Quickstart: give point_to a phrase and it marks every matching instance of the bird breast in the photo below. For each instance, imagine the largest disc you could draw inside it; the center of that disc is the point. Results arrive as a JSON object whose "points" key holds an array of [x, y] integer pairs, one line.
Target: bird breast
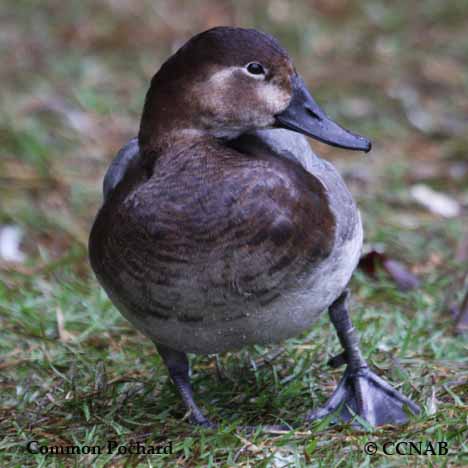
{"points": [[219, 250]]}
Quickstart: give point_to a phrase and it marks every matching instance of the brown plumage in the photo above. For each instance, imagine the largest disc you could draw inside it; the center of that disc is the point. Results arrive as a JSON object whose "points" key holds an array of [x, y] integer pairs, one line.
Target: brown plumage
{"points": [[217, 231], [242, 227]]}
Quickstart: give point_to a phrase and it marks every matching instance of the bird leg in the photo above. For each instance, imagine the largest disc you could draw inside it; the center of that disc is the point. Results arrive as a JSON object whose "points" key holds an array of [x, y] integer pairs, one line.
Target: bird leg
{"points": [[360, 391], [178, 366]]}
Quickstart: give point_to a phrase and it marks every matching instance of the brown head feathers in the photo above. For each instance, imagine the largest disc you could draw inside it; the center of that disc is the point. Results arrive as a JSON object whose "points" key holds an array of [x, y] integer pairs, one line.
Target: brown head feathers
{"points": [[207, 88]]}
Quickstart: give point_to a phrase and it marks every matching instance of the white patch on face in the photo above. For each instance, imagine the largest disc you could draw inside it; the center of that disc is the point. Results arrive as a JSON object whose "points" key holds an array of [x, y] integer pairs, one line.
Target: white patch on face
{"points": [[228, 115], [270, 95], [219, 78], [274, 98]]}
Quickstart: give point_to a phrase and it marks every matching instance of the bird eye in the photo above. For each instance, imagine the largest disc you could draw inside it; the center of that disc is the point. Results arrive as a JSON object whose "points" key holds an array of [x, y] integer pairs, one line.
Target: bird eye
{"points": [[255, 68]]}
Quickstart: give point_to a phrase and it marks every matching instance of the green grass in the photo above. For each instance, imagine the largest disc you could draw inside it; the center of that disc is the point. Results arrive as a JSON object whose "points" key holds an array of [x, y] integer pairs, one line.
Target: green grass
{"points": [[100, 380], [74, 372]]}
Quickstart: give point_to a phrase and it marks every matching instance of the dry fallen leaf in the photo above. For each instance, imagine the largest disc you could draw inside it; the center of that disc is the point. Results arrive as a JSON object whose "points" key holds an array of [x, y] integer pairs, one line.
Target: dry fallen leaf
{"points": [[10, 240], [437, 202], [404, 279], [64, 335]]}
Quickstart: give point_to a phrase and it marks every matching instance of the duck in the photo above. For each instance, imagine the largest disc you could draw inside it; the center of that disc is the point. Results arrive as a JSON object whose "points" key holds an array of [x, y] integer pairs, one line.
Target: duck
{"points": [[221, 228]]}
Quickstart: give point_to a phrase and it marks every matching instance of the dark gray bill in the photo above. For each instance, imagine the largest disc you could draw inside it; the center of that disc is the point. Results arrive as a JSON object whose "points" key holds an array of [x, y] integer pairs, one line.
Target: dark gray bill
{"points": [[304, 115]]}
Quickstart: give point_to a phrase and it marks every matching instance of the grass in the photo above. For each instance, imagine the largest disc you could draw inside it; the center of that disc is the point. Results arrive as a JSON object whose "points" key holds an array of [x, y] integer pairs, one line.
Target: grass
{"points": [[74, 372]]}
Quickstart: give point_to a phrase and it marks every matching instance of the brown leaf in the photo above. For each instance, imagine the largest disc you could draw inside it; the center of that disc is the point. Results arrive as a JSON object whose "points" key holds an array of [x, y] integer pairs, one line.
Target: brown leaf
{"points": [[401, 275], [403, 278]]}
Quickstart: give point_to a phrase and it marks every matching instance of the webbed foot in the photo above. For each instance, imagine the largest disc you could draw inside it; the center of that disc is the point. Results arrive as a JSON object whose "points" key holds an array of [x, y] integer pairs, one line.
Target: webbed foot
{"points": [[360, 391], [365, 394]]}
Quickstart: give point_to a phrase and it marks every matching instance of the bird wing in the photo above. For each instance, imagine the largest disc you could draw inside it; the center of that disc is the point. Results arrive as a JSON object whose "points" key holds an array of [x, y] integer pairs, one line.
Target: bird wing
{"points": [[126, 157]]}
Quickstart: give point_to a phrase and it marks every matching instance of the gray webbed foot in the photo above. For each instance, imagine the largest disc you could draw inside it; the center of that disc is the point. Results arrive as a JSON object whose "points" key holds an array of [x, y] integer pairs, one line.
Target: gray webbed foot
{"points": [[364, 393], [360, 391]]}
